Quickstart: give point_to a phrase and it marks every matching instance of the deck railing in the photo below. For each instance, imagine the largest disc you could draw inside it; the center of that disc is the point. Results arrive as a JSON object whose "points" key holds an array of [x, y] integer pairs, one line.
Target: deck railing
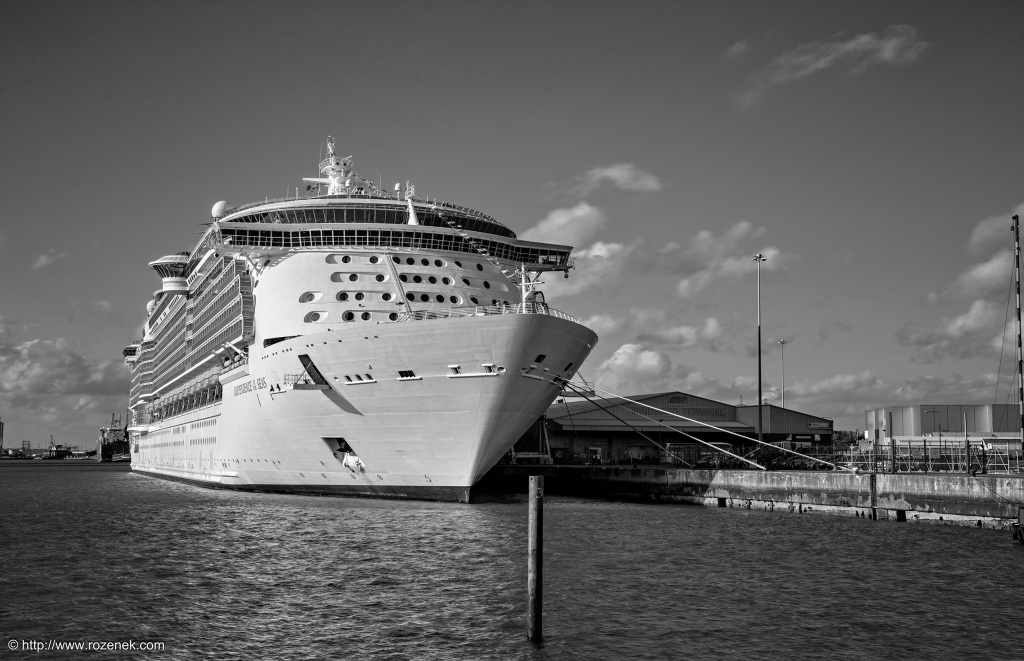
{"points": [[485, 310]]}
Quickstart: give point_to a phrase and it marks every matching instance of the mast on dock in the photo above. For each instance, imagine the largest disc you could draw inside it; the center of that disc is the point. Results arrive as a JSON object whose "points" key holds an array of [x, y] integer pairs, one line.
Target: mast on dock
{"points": [[1020, 351]]}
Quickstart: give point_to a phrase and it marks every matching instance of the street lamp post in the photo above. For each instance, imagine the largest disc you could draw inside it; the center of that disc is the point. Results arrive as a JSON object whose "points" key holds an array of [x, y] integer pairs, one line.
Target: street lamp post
{"points": [[760, 418], [782, 343]]}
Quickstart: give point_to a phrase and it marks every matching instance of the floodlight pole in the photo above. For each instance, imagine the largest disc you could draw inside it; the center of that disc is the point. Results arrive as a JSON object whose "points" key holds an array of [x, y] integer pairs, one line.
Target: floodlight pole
{"points": [[782, 344], [1020, 351], [760, 417]]}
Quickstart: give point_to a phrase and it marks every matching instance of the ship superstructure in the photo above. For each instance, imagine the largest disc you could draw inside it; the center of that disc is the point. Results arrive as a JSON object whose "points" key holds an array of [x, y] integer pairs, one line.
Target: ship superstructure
{"points": [[354, 341]]}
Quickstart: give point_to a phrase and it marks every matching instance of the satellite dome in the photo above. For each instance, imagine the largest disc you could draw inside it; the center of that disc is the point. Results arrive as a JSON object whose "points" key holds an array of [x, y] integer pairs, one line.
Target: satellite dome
{"points": [[220, 209]]}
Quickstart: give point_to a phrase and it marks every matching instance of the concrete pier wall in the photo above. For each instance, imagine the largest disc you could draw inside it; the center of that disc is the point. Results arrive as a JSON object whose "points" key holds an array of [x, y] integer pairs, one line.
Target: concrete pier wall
{"points": [[989, 500]]}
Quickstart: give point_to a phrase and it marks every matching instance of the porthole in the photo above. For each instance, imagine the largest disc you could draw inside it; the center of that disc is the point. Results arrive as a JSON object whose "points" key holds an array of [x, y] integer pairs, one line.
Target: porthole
{"points": [[438, 263], [505, 303], [474, 299], [403, 278], [432, 280], [411, 296], [380, 277], [353, 277], [348, 316], [346, 259], [393, 316], [424, 297], [446, 281], [360, 296], [410, 260], [308, 297], [374, 259], [417, 278], [365, 316], [454, 300], [494, 301], [479, 267], [458, 263], [425, 262], [385, 296], [439, 298], [397, 260], [487, 285], [465, 281], [342, 296], [314, 317]]}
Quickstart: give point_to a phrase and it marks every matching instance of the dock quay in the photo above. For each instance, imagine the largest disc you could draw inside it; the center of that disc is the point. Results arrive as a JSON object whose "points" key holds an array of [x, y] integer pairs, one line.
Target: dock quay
{"points": [[989, 501]]}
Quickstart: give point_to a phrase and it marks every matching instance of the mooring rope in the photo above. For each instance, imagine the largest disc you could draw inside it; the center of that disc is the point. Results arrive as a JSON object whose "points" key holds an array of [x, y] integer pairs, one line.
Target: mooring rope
{"points": [[726, 431]]}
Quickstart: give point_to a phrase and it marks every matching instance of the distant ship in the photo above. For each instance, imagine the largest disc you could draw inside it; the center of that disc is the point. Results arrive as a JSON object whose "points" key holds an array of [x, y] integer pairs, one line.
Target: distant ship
{"points": [[356, 341], [113, 443]]}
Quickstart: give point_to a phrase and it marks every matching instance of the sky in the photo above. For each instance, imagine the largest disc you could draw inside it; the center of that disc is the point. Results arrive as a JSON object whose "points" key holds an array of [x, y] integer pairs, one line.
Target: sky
{"points": [[872, 151]]}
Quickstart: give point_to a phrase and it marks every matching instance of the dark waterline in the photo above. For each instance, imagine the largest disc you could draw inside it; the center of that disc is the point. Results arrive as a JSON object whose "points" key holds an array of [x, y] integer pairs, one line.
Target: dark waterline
{"points": [[95, 552]]}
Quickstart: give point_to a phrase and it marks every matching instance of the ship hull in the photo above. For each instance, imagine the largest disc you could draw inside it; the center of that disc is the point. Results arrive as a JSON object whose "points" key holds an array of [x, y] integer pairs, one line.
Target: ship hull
{"points": [[418, 409]]}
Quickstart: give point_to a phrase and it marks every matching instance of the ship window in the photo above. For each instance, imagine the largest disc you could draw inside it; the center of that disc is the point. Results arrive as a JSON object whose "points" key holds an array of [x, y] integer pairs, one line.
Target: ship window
{"points": [[406, 374], [342, 296], [410, 260], [489, 368], [417, 278], [385, 296], [353, 277], [439, 298], [360, 296], [366, 316], [455, 300], [446, 281], [432, 280], [494, 301], [425, 262], [397, 260], [474, 299], [348, 316], [487, 285], [380, 277], [348, 378], [346, 259], [374, 259], [466, 282], [540, 358], [403, 278], [456, 369], [308, 297], [424, 297], [458, 263], [479, 267], [393, 316], [411, 296], [438, 262], [369, 378], [313, 316], [358, 378], [567, 367]]}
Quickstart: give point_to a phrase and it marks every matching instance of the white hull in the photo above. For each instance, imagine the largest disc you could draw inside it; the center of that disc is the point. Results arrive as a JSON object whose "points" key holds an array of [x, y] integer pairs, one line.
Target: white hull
{"points": [[428, 436]]}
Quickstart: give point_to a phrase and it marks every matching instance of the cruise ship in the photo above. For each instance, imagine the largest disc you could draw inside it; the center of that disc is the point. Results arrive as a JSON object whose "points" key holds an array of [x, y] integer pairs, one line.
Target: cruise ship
{"points": [[353, 340]]}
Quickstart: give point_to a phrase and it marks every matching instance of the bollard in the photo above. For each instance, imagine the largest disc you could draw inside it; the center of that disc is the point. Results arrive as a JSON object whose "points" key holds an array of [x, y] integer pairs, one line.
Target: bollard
{"points": [[535, 561]]}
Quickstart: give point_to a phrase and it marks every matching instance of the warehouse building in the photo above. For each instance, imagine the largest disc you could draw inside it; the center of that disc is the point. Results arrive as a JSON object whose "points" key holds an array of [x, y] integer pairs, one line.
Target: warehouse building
{"points": [[614, 430]]}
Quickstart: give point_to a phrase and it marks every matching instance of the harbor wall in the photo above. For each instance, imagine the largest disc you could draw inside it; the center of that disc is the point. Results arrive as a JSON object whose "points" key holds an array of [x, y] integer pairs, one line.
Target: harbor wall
{"points": [[982, 500]]}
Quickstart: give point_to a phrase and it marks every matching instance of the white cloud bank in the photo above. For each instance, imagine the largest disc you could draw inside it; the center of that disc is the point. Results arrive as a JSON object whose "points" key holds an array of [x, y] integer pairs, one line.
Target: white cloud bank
{"points": [[625, 176]]}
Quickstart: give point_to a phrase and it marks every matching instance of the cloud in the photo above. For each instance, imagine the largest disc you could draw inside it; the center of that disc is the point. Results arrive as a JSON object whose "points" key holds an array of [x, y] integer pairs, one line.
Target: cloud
{"points": [[602, 323], [48, 258], [599, 265], [987, 278], [634, 369], [569, 227], [993, 231], [622, 175], [736, 51], [898, 45], [965, 336], [35, 370], [683, 336], [733, 267]]}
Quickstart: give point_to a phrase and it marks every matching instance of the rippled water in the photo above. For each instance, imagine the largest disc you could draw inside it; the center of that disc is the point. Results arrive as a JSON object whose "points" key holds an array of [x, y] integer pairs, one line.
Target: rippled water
{"points": [[97, 553]]}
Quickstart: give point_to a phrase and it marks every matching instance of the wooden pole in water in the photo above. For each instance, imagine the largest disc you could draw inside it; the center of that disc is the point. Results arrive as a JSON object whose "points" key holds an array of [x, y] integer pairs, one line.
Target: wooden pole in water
{"points": [[535, 562]]}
